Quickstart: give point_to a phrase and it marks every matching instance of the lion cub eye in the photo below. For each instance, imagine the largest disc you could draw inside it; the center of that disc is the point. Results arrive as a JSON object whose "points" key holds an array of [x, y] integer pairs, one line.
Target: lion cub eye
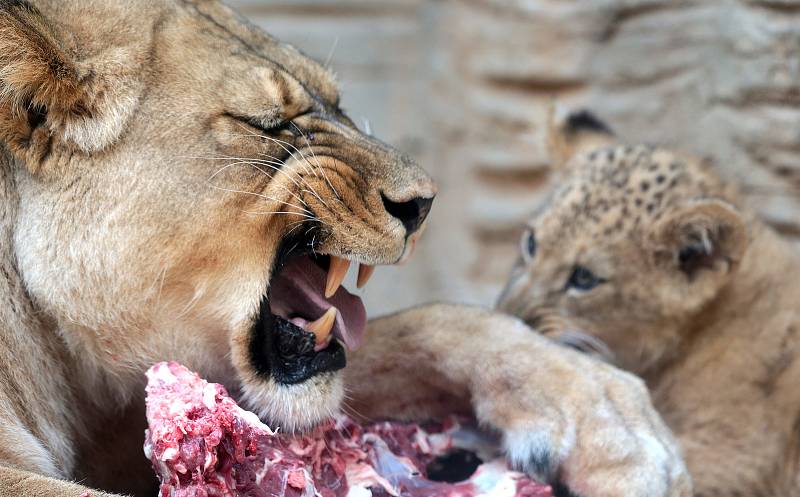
{"points": [[583, 279], [528, 245]]}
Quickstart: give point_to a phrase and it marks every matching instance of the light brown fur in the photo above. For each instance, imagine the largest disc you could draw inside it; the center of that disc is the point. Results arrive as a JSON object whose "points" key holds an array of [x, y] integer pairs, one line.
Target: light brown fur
{"points": [[714, 332], [157, 157]]}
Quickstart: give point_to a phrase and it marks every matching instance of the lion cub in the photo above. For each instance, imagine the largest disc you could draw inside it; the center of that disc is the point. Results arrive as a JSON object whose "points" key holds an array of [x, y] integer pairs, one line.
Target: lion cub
{"points": [[646, 257]]}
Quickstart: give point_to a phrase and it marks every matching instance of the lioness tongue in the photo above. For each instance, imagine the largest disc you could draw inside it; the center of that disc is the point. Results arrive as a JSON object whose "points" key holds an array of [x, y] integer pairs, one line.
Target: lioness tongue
{"points": [[299, 292]]}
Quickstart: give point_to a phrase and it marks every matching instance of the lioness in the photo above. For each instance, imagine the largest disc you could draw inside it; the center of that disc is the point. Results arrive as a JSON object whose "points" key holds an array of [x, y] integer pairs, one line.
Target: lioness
{"points": [[645, 256], [176, 184]]}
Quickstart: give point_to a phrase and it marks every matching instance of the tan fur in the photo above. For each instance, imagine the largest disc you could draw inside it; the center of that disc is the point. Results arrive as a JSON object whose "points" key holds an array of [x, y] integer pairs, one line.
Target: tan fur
{"points": [[716, 339], [155, 156], [565, 417]]}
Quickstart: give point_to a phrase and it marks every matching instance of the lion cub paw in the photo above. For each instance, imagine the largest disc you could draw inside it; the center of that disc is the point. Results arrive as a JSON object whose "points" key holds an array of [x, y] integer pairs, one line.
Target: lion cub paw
{"points": [[589, 430]]}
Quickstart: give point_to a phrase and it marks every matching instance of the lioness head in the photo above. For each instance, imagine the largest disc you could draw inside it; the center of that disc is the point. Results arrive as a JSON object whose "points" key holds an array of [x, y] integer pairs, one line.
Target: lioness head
{"points": [[630, 247], [186, 187]]}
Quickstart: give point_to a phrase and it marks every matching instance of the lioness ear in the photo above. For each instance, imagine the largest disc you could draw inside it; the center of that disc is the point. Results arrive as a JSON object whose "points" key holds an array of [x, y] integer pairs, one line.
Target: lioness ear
{"points": [[34, 67], [570, 134], [47, 95], [705, 235], [37, 77]]}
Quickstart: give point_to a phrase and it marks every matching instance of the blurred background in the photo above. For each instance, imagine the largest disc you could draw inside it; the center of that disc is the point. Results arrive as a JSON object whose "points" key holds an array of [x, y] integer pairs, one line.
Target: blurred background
{"points": [[464, 85]]}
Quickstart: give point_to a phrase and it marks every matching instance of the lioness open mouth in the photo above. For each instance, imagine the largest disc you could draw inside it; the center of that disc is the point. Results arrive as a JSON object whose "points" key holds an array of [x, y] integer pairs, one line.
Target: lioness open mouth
{"points": [[308, 318]]}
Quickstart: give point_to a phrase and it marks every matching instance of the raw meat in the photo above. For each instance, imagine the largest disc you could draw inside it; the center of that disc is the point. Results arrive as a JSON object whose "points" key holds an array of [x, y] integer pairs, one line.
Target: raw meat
{"points": [[201, 443]]}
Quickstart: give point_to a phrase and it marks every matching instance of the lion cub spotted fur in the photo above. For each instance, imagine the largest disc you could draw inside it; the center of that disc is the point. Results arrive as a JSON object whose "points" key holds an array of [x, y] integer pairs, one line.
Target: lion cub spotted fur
{"points": [[646, 257]]}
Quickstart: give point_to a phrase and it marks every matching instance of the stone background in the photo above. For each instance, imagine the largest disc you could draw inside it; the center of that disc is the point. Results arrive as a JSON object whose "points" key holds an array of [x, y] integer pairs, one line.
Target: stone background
{"points": [[463, 85]]}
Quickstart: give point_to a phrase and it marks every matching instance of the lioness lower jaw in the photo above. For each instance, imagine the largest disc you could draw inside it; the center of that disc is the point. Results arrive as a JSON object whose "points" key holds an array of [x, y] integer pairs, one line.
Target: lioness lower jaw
{"points": [[305, 322], [293, 407]]}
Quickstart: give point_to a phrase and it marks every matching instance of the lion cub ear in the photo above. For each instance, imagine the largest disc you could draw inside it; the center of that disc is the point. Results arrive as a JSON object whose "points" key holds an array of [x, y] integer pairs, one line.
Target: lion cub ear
{"points": [[573, 133], [48, 97], [703, 237]]}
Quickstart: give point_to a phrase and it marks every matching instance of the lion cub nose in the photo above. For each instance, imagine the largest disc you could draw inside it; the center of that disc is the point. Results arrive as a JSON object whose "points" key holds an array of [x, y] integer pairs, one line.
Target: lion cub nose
{"points": [[411, 213]]}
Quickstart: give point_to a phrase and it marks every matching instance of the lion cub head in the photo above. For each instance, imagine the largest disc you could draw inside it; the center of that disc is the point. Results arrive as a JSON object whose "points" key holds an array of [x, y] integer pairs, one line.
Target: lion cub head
{"points": [[633, 243], [186, 187]]}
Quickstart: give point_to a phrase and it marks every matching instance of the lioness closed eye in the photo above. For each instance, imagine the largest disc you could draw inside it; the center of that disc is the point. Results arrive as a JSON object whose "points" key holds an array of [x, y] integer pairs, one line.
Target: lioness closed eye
{"points": [[176, 184], [645, 257]]}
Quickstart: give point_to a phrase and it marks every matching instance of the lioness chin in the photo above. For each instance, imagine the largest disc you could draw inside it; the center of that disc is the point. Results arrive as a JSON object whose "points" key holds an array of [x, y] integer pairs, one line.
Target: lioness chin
{"points": [[176, 184]]}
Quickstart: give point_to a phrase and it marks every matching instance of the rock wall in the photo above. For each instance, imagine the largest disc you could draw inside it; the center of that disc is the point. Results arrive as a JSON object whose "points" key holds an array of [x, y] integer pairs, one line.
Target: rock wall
{"points": [[463, 85]]}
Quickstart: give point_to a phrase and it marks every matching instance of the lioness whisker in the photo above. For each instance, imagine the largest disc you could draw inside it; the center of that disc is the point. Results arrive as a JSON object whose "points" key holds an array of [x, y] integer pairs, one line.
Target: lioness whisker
{"points": [[252, 164], [316, 159], [294, 228], [306, 164], [159, 280], [273, 199], [198, 294], [256, 166], [241, 160], [268, 213], [302, 208], [329, 58], [281, 143], [284, 144], [274, 165], [311, 191], [352, 411]]}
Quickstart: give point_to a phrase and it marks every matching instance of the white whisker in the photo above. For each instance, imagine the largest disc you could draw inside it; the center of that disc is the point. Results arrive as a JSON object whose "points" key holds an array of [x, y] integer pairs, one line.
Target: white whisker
{"points": [[267, 197], [255, 166], [268, 213], [329, 58], [275, 164], [294, 228], [367, 127], [304, 160], [305, 165], [316, 159]]}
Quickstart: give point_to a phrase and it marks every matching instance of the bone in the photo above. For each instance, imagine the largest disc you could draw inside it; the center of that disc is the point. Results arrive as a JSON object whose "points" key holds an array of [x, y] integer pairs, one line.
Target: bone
{"points": [[321, 328], [364, 274], [336, 273]]}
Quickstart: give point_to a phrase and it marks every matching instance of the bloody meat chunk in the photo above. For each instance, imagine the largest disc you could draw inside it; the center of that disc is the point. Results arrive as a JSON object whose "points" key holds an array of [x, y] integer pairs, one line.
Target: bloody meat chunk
{"points": [[201, 443]]}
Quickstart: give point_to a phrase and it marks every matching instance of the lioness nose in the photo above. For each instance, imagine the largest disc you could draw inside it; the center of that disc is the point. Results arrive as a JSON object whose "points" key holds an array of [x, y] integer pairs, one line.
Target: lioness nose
{"points": [[411, 213]]}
